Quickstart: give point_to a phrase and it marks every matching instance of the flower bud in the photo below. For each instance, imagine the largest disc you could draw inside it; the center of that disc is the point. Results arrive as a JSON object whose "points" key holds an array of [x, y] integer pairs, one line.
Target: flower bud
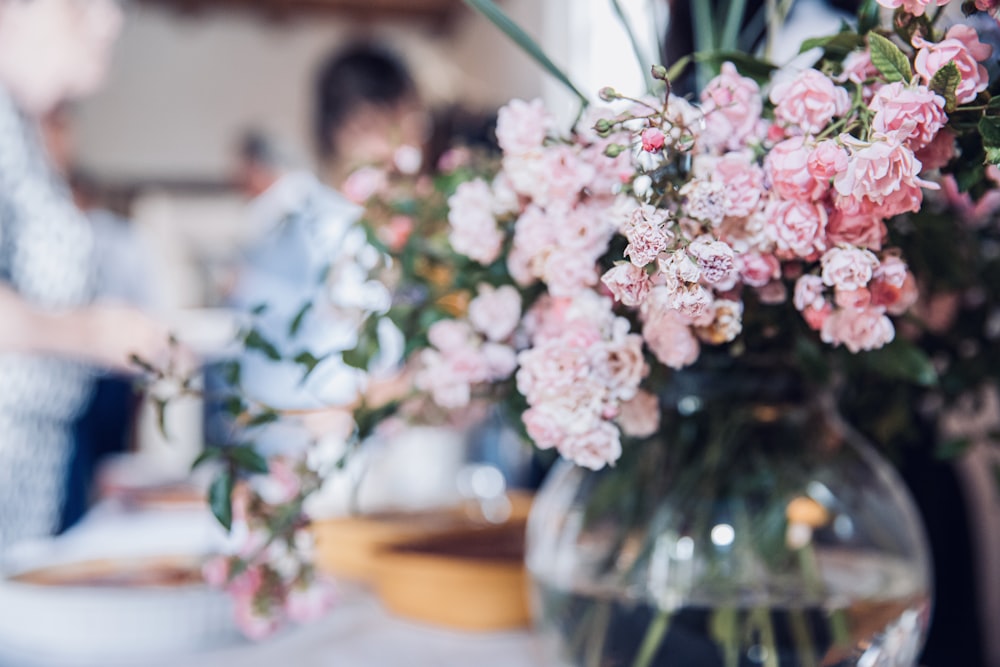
{"points": [[607, 94], [614, 150], [659, 72]]}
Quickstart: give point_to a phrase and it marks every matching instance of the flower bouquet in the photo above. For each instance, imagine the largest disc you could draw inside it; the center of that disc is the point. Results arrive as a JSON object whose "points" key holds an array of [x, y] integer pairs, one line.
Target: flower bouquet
{"points": [[666, 294]]}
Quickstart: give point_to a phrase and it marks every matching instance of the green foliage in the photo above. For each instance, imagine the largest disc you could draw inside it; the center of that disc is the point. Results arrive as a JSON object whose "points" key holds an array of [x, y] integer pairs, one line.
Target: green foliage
{"points": [[757, 69], [902, 360], [220, 497], [989, 129], [246, 458], [888, 59], [944, 82], [296, 325], [835, 46], [254, 340]]}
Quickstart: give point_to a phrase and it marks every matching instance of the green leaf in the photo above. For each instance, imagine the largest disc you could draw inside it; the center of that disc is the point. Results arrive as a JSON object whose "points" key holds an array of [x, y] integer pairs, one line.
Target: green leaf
{"points": [[952, 449], [231, 372], [255, 341], [357, 358], [293, 328], [220, 498], [755, 68], [497, 17], [259, 309], [868, 16], [233, 406], [888, 59], [992, 154], [208, 454], [260, 419], [160, 407], [944, 82], [248, 459], [902, 360], [835, 45], [678, 68], [309, 361]]}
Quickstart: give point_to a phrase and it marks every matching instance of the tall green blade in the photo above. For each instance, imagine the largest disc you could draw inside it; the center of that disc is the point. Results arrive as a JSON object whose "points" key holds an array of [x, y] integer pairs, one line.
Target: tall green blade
{"points": [[497, 17], [640, 55]]}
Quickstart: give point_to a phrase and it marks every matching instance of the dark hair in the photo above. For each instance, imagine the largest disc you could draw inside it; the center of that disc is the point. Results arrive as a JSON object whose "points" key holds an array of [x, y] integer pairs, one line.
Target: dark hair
{"points": [[257, 148], [360, 75]]}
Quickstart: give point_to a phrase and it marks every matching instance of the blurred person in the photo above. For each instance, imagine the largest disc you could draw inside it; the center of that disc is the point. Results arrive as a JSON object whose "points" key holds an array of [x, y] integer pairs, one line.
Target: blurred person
{"points": [[122, 276], [368, 113], [50, 51]]}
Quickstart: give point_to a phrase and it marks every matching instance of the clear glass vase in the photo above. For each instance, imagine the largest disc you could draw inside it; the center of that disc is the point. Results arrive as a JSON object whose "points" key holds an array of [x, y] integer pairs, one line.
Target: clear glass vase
{"points": [[756, 529]]}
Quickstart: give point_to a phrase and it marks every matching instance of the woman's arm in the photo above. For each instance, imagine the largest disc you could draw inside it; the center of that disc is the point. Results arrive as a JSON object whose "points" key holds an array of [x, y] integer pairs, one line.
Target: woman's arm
{"points": [[105, 335]]}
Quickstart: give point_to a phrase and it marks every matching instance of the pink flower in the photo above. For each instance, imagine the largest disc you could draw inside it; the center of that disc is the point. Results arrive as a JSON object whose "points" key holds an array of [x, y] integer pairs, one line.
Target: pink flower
{"points": [[496, 311], [732, 106], [305, 604], [595, 449], [566, 175], [859, 298], [652, 139], [628, 283], [757, 270], [975, 214], [670, 338], [881, 178], [893, 286], [864, 230], [827, 159], [500, 360], [281, 485], [743, 183], [640, 416], [522, 126], [474, 231], [716, 260], [364, 184], [858, 68], [566, 272], [913, 114], [647, 235], [939, 152], [705, 200], [787, 169], [543, 428], [215, 571], [816, 316], [255, 622], [858, 329], [848, 268], [961, 46], [808, 292], [726, 323], [797, 228], [808, 101], [624, 367], [449, 335], [987, 5], [584, 228], [915, 7]]}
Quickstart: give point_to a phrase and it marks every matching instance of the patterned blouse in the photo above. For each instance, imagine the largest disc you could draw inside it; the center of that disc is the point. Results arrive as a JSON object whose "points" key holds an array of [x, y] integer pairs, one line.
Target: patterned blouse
{"points": [[45, 256]]}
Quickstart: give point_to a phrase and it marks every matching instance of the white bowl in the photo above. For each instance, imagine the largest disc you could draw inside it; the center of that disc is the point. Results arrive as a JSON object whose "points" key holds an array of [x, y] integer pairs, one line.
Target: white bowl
{"points": [[114, 623]]}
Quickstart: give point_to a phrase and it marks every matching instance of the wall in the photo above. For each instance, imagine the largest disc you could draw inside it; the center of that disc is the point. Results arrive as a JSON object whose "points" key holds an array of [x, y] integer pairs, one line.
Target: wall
{"points": [[183, 87]]}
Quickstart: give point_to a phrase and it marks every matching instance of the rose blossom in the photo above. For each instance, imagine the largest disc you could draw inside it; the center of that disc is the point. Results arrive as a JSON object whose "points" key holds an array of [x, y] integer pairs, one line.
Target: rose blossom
{"points": [[757, 270], [726, 325], [522, 126], [817, 315], [827, 159], [715, 259], [474, 232], [915, 7], [865, 230], [961, 46], [364, 184], [566, 175], [858, 68], [670, 338], [448, 387], [914, 114], [808, 292], [305, 604], [448, 335], [797, 228], [848, 268], [772, 294], [565, 272], [640, 416], [939, 152], [808, 101], [893, 286], [628, 283], [496, 311], [858, 329], [647, 235], [543, 428], [705, 200], [881, 178], [652, 139], [732, 105], [859, 298], [253, 622], [787, 170], [742, 180], [595, 449], [215, 571], [624, 367]]}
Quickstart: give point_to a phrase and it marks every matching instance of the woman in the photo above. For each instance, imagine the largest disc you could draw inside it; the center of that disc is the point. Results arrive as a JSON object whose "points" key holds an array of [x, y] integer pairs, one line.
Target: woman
{"points": [[50, 51]]}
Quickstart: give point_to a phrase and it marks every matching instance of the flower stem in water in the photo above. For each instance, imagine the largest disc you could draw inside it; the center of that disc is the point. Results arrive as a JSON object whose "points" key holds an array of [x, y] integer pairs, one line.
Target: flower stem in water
{"points": [[653, 640]]}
